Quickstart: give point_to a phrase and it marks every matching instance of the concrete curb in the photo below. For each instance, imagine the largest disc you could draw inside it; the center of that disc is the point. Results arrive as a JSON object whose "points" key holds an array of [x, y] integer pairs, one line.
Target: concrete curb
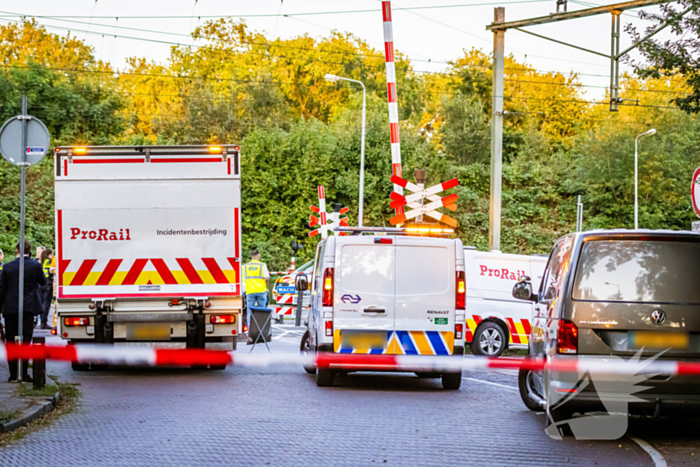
{"points": [[31, 414]]}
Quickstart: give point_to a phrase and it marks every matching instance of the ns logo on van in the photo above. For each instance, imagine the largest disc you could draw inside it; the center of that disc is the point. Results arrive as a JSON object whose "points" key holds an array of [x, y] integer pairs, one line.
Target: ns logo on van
{"points": [[347, 298]]}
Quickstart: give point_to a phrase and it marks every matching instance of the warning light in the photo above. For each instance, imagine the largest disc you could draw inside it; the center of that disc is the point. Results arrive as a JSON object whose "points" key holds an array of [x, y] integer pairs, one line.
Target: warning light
{"points": [[245, 328], [236, 148], [429, 231], [80, 150], [214, 148], [53, 331]]}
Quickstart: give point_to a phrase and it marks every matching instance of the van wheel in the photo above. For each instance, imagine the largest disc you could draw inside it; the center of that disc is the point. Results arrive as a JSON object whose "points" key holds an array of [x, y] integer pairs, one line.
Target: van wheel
{"points": [[452, 381], [527, 385], [305, 348], [489, 340], [80, 366], [325, 377]]}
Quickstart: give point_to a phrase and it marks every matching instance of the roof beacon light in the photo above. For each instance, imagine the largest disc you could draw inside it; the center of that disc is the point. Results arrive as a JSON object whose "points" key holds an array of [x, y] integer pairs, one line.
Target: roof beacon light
{"points": [[429, 230], [80, 150], [214, 148]]}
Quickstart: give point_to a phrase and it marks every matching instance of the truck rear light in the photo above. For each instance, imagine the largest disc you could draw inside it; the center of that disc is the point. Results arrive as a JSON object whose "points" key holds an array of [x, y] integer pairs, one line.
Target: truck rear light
{"points": [[207, 304], [222, 319], [174, 302], [459, 330], [245, 328], [567, 338], [328, 287], [53, 332], [329, 328], [460, 292], [76, 321]]}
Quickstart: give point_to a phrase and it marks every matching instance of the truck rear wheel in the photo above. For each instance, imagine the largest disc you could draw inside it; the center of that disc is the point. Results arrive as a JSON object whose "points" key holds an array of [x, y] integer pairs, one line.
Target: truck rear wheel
{"points": [[217, 367], [325, 377], [452, 381], [489, 340]]}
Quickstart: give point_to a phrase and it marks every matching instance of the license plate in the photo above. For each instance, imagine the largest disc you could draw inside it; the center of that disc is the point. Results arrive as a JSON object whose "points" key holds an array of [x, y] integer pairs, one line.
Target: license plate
{"points": [[363, 340], [286, 289], [658, 340], [148, 332]]}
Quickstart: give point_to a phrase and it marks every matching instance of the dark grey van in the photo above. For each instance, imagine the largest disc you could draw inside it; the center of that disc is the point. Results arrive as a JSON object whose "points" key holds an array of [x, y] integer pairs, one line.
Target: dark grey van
{"points": [[614, 294]]}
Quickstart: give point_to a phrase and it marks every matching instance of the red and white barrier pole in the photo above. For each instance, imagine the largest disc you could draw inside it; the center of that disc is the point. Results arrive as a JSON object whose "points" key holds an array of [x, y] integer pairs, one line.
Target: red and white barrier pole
{"points": [[392, 98]]}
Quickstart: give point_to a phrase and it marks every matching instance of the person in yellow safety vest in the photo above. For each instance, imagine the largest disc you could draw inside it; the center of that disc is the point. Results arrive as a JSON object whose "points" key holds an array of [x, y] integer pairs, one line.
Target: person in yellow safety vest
{"points": [[256, 277], [47, 292]]}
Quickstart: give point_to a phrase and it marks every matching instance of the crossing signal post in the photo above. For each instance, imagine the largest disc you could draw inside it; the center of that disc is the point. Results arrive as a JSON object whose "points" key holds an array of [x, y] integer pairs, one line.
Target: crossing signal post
{"points": [[325, 221]]}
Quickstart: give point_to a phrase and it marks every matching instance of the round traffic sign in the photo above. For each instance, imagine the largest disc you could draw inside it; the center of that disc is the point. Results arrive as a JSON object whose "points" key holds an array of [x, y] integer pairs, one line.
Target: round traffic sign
{"points": [[695, 191], [38, 140]]}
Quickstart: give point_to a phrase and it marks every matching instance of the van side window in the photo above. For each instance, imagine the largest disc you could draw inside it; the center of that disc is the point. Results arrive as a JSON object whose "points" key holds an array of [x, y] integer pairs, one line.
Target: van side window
{"points": [[557, 267], [318, 261]]}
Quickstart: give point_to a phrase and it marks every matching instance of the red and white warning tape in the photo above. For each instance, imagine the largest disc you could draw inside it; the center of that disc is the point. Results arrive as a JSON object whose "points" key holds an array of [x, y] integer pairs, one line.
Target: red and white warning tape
{"points": [[150, 356]]}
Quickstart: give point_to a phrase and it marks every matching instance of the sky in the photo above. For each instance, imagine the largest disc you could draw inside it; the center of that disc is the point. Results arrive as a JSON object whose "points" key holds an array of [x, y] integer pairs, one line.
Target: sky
{"points": [[429, 36]]}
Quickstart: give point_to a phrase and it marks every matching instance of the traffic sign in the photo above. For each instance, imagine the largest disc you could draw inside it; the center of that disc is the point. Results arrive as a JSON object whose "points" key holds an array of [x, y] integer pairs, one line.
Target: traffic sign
{"points": [[326, 221], [695, 191], [414, 201], [36, 147]]}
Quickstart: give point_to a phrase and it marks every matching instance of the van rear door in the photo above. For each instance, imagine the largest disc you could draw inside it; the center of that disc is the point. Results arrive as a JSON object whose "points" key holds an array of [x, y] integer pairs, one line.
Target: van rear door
{"points": [[363, 318], [424, 296]]}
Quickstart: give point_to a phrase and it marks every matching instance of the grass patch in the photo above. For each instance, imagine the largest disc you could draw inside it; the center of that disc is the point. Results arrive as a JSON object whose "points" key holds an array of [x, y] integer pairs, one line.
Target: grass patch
{"points": [[6, 416], [69, 395]]}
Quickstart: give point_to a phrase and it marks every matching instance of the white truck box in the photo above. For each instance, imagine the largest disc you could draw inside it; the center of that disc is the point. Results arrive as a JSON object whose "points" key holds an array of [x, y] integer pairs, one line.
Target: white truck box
{"points": [[148, 244]]}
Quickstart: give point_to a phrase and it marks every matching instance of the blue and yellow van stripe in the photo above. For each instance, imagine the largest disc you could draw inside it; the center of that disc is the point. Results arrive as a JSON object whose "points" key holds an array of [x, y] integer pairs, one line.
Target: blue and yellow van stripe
{"points": [[405, 343]]}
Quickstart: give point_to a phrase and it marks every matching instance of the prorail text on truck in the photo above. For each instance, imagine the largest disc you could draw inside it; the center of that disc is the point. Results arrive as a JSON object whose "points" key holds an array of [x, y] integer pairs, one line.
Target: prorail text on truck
{"points": [[100, 235]]}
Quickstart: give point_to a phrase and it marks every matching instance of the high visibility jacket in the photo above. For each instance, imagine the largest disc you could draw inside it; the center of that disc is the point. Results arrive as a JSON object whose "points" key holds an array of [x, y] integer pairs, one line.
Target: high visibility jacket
{"points": [[45, 267], [254, 273]]}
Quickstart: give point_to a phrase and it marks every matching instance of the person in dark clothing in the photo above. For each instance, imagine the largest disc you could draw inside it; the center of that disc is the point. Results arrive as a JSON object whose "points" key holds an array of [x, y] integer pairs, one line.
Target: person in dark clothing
{"points": [[34, 280], [47, 291]]}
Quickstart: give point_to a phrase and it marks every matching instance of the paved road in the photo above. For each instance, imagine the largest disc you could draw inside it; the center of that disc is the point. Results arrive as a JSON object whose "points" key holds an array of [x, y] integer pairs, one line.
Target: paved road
{"points": [[277, 416]]}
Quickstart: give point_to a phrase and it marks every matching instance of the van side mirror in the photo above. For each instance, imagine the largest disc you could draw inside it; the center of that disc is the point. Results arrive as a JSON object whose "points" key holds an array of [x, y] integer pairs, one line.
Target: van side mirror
{"points": [[301, 283], [523, 290]]}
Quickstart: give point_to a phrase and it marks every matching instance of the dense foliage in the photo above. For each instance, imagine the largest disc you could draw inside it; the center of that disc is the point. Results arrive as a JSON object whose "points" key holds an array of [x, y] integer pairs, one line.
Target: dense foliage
{"points": [[298, 131]]}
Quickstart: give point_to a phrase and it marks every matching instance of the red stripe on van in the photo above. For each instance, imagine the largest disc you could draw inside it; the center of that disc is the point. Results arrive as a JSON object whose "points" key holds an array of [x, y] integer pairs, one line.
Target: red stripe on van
{"points": [[526, 326], [513, 331]]}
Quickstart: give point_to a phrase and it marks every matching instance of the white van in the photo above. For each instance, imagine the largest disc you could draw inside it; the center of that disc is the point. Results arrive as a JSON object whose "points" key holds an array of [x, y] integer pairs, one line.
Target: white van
{"points": [[387, 294], [495, 320]]}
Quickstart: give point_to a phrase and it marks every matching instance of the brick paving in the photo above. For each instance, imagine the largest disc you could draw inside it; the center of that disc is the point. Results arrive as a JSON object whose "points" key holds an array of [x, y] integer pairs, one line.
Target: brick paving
{"points": [[277, 416]]}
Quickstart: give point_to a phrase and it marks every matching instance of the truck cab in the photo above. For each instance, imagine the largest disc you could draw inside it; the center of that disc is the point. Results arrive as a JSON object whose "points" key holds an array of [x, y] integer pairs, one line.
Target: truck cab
{"points": [[388, 294]]}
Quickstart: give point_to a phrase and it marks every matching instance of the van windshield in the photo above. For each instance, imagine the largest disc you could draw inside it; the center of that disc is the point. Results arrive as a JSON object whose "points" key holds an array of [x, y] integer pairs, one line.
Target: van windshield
{"points": [[656, 271]]}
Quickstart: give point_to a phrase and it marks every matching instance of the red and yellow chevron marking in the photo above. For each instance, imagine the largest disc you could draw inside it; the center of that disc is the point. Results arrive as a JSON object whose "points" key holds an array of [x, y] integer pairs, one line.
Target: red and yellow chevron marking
{"points": [[162, 275], [519, 329]]}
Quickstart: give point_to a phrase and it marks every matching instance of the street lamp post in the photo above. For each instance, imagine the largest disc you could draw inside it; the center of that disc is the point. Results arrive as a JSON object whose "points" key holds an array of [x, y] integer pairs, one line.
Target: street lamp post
{"points": [[334, 78], [636, 157]]}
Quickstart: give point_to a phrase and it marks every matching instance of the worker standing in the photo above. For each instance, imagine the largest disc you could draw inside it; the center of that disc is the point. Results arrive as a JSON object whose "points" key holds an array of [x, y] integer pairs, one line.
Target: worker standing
{"points": [[47, 295], [256, 277]]}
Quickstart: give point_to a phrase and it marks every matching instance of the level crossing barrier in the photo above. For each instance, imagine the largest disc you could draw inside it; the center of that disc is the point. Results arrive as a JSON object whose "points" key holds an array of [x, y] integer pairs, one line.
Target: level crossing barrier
{"points": [[150, 356]]}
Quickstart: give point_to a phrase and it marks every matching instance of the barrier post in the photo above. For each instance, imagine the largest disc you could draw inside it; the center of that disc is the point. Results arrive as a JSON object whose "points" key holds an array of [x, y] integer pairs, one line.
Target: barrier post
{"points": [[39, 366]]}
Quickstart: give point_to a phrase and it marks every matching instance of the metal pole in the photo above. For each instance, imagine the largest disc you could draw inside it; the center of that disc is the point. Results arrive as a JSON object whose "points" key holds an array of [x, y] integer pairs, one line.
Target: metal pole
{"points": [[23, 169], [496, 132], [362, 159], [615, 61], [636, 204]]}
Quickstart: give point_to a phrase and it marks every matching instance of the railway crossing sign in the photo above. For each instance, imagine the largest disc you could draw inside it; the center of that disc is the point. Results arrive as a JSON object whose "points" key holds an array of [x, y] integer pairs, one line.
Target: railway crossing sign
{"points": [[326, 221], [414, 201]]}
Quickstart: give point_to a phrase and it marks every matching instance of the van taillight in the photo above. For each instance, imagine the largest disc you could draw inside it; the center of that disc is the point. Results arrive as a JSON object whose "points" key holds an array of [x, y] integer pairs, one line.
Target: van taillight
{"points": [[461, 291], [459, 330], [329, 328], [567, 338], [328, 287]]}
